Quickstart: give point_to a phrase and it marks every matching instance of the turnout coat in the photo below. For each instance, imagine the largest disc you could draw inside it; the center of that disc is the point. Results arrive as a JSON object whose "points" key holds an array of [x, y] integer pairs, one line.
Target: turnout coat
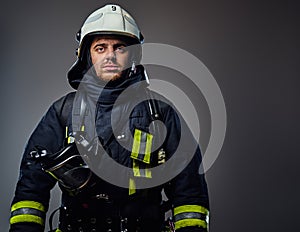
{"points": [[136, 128]]}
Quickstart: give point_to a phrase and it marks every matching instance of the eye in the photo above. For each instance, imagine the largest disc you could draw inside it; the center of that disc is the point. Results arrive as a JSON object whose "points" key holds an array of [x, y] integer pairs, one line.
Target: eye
{"points": [[121, 49], [99, 49]]}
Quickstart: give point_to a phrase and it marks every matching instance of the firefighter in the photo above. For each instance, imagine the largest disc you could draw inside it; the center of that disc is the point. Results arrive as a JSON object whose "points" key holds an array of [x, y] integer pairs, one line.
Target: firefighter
{"points": [[72, 137]]}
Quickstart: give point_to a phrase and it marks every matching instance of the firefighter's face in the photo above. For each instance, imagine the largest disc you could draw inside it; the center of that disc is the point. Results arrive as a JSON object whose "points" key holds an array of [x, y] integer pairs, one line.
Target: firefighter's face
{"points": [[109, 57]]}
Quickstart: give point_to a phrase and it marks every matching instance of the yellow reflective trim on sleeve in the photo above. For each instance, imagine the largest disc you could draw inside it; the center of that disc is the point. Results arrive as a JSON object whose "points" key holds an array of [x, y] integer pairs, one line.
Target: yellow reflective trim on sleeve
{"points": [[28, 204], [190, 208], [132, 187], [67, 132], [27, 218], [148, 148], [190, 222], [136, 143]]}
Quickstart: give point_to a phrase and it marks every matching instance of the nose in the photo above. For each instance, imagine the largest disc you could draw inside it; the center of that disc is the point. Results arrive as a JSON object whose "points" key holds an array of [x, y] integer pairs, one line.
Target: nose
{"points": [[111, 54]]}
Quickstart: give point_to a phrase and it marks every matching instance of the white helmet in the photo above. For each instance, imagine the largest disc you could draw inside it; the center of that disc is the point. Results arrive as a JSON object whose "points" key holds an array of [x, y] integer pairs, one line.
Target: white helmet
{"points": [[108, 20]]}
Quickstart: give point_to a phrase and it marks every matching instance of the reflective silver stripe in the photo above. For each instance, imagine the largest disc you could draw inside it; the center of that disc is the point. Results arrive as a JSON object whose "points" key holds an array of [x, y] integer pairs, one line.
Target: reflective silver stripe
{"points": [[28, 211], [142, 145], [142, 172], [140, 169], [141, 154], [182, 216]]}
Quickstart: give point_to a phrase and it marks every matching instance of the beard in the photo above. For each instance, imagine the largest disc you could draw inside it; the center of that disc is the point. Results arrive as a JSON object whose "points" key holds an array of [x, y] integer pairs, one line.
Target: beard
{"points": [[111, 76]]}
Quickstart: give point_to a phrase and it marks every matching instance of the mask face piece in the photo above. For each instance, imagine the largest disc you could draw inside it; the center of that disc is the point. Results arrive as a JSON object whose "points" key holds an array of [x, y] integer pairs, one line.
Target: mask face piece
{"points": [[67, 167], [72, 174]]}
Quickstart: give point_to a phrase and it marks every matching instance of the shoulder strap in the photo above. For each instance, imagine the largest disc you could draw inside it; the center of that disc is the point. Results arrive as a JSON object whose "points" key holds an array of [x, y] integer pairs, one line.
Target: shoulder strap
{"points": [[153, 107], [65, 108]]}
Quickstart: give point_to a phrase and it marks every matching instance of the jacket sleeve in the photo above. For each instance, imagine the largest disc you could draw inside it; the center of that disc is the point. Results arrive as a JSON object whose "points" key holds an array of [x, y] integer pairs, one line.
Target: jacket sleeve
{"points": [[188, 190], [31, 200]]}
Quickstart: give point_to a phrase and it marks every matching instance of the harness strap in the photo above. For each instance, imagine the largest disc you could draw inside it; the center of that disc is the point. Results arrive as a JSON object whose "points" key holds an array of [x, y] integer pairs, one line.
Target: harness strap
{"points": [[51, 219]]}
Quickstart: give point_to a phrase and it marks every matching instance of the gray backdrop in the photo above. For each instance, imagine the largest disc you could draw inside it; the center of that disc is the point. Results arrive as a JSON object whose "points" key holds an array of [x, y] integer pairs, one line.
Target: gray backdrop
{"points": [[249, 47]]}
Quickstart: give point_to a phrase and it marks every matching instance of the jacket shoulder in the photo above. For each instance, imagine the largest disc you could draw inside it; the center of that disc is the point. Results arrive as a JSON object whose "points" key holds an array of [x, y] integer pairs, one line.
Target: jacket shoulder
{"points": [[63, 106]]}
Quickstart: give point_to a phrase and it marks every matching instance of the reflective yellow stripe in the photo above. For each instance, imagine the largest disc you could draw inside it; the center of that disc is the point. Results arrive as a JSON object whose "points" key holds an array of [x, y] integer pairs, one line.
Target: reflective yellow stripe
{"points": [[71, 139], [28, 204], [132, 187], [136, 169], [142, 145], [66, 132], [82, 128], [140, 172], [27, 218], [148, 148], [136, 144], [190, 208], [148, 173], [139, 169], [190, 222]]}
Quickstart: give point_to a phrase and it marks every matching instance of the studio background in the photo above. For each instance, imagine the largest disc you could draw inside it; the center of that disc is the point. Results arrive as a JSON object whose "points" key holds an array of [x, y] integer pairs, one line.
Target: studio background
{"points": [[250, 47]]}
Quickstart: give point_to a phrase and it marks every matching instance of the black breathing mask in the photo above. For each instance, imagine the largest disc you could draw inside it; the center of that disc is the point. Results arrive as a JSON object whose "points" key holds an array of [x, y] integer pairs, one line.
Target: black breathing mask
{"points": [[67, 166]]}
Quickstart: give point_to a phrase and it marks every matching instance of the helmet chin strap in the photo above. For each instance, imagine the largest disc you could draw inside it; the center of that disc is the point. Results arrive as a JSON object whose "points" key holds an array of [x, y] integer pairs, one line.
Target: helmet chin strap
{"points": [[146, 77], [132, 69], [133, 66]]}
